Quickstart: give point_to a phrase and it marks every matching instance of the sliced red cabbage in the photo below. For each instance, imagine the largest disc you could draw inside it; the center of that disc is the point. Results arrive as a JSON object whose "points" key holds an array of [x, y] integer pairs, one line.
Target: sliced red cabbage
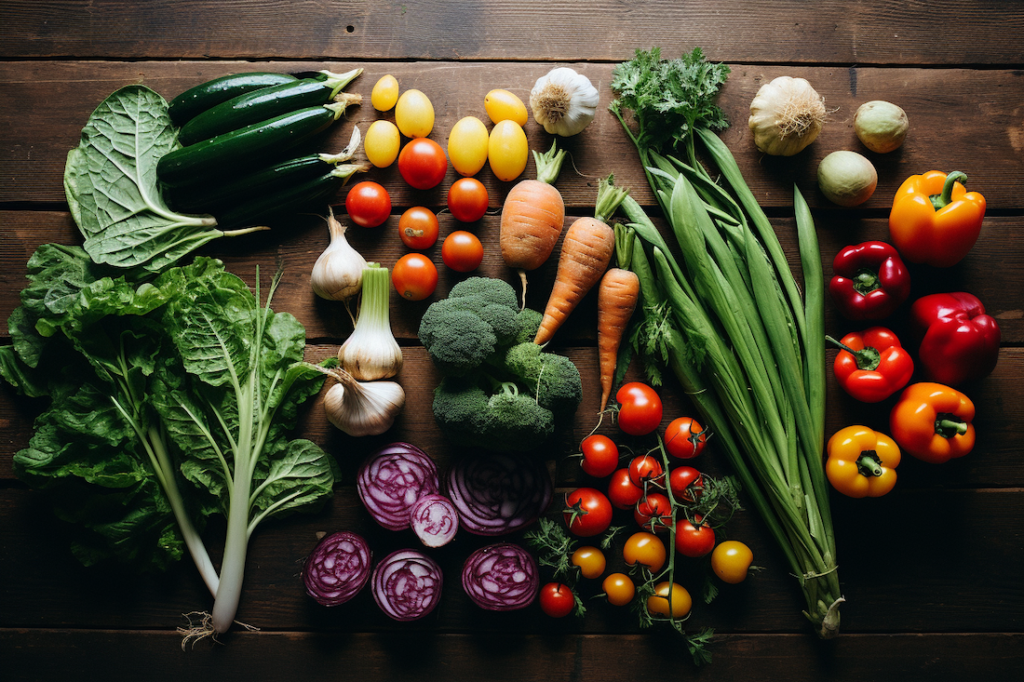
{"points": [[434, 519], [498, 493], [501, 577], [407, 584], [337, 568], [392, 479]]}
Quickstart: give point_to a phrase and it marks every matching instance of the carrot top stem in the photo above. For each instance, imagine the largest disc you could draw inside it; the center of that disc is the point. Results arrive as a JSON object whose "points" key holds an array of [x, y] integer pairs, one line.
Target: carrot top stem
{"points": [[549, 165], [608, 198], [623, 246]]}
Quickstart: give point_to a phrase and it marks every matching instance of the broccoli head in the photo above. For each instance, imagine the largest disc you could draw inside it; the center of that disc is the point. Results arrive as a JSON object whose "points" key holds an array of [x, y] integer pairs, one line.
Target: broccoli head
{"points": [[479, 317], [552, 379], [500, 390]]}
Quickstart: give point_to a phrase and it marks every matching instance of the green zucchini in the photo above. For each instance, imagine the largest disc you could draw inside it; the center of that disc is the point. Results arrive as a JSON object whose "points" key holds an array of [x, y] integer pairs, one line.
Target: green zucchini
{"points": [[291, 199], [256, 143], [260, 105], [194, 101]]}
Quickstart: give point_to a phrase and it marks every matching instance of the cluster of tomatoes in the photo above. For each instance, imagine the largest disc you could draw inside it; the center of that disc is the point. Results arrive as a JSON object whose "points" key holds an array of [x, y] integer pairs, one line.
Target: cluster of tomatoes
{"points": [[423, 164], [659, 501]]}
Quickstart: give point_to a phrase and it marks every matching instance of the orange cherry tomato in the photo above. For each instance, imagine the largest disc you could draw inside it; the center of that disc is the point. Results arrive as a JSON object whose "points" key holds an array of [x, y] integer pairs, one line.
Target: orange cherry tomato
{"points": [[414, 277], [418, 228], [462, 251]]}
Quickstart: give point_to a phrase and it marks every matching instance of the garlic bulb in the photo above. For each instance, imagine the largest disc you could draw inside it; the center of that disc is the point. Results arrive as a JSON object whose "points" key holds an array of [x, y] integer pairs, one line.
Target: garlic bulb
{"points": [[362, 409], [564, 102], [786, 115], [338, 272], [371, 351]]}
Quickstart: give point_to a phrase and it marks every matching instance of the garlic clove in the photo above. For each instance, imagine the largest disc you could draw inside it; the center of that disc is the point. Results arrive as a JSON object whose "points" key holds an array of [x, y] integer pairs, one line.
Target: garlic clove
{"points": [[338, 273], [362, 409], [564, 102]]}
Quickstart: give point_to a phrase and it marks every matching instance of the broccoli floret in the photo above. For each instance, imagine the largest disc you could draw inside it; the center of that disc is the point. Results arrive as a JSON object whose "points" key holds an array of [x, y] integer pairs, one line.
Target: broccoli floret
{"points": [[478, 317], [553, 379], [506, 420], [528, 322]]}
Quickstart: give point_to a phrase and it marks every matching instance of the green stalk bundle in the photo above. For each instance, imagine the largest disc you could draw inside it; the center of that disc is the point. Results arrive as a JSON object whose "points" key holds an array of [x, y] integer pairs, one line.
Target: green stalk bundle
{"points": [[728, 316]]}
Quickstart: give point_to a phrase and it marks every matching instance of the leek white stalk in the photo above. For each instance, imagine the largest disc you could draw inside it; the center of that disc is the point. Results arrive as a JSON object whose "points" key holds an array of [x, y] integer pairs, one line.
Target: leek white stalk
{"points": [[371, 352], [564, 102]]}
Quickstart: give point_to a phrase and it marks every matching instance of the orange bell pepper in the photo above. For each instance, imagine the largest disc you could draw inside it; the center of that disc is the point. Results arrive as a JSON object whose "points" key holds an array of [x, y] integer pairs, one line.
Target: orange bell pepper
{"points": [[934, 219], [933, 422], [862, 462]]}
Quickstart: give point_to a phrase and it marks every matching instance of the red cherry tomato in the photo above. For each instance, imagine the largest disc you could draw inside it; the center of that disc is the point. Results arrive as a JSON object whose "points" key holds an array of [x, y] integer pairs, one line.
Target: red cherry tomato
{"points": [[644, 468], [368, 204], [600, 456], [418, 228], [587, 512], [694, 541], [422, 163], [462, 251], [684, 438], [686, 483], [414, 277], [557, 600], [654, 513], [640, 409], [621, 491], [467, 200]]}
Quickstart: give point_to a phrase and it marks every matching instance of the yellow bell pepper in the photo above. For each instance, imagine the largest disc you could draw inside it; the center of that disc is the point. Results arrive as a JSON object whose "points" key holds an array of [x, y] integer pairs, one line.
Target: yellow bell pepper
{"points": [[862, 462]]}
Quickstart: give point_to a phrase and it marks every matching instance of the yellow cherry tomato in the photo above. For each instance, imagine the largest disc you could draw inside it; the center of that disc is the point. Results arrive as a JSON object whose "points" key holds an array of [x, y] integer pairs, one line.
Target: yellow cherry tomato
{"points": [[467, 145], [619, 589], [502, 105], [646, 549], [384, 93], [414, 114], [507, 150], [381, 143], [730, 561], [658, 604], [590, 561]]}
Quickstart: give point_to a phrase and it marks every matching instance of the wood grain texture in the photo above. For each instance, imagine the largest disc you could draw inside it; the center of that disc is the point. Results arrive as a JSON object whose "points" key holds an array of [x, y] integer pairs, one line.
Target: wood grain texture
{"points": [[960, 119], [747, 31], [911, 530], [415, 656]]}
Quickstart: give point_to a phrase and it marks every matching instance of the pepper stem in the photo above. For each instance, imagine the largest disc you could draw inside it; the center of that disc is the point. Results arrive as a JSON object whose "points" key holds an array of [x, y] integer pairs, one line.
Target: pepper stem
{"points": [[867, 359], [869, 464], [948, 426], [941, 200], [866, 281]]}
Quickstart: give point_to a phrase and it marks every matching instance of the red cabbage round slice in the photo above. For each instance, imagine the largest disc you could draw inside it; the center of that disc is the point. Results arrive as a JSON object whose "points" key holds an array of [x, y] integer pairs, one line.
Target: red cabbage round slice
{"points": [[337, 568], [407, 584], [501, 577], [392, 479], [498, 493], [434, 519]]}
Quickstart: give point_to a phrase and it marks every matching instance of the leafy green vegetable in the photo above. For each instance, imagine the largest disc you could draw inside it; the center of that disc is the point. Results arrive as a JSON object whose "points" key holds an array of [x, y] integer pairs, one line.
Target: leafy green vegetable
{"points": [[169, 401], [111, 186]]}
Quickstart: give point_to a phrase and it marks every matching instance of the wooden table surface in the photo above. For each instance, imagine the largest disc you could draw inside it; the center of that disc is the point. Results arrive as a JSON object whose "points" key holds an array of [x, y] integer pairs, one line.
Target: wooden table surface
{"points": [[932, 572]]}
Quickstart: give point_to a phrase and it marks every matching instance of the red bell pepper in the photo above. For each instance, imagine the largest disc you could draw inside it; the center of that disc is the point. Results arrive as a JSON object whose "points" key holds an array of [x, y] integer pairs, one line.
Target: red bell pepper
{"points": [[872, 364], [958, 341], [870, 281]]}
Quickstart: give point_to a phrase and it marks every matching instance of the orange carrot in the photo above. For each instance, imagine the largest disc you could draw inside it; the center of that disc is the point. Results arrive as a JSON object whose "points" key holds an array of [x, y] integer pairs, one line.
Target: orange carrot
{"points": [[586, 253], [616, 299], [532, 217]]}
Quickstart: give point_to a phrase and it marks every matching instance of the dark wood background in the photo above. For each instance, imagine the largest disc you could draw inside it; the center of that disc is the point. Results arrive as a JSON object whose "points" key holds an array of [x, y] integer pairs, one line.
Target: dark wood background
{"points": [[932, 572]]}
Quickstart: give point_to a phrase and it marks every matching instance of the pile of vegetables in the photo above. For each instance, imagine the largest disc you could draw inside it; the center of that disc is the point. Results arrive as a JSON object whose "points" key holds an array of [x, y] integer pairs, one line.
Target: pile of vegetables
{"points": [[728, 316]]}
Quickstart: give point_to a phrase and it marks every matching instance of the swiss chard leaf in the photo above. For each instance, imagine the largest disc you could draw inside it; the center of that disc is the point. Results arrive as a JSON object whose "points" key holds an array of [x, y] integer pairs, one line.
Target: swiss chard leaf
{"points": [[300, 473], [111, 185]]}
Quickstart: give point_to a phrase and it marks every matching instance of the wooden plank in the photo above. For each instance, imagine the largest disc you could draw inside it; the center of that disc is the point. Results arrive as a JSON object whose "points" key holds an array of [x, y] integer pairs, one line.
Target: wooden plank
{"points": [[835, 32], [898, 570], [960, 119], [995, 462], [43, 655], [297, 245]]}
